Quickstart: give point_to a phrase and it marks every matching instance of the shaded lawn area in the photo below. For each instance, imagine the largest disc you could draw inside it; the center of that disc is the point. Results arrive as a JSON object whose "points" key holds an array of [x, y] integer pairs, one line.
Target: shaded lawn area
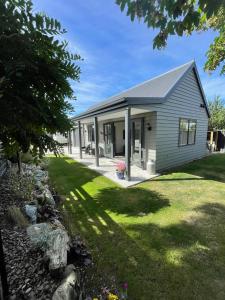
{"points": [[175, 251]]}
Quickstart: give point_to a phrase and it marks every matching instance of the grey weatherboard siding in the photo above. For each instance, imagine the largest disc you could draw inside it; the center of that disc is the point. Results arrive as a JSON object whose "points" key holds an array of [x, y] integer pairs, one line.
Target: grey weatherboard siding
{"points": [[184, 102]]}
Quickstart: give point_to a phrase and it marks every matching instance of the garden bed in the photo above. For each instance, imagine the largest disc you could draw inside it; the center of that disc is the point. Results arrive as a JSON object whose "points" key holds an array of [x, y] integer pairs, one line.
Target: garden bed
{"points": [[31, 269]]}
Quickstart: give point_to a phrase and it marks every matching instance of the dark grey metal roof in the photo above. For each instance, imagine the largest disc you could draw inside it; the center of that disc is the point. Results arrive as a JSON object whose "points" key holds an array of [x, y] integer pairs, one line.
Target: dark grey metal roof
{"points": [[152, 91]]}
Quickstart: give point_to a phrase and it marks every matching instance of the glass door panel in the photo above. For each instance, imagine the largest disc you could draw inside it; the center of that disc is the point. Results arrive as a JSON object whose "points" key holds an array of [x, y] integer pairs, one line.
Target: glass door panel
{"points": [[137, 142], [109, 139]]}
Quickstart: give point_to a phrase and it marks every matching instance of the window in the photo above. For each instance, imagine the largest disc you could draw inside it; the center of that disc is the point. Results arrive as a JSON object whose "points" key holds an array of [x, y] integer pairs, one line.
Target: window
{"points": [[192, 132], [187, 132], [91, 137]]}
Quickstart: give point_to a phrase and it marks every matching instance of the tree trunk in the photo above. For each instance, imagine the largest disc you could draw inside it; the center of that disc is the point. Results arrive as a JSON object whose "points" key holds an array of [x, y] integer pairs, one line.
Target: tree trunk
{"points": [[19, 162]]}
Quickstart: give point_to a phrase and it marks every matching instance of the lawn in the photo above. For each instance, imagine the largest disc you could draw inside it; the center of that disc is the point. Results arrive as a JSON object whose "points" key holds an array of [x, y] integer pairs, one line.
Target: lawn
{"points": [[174, 249]]}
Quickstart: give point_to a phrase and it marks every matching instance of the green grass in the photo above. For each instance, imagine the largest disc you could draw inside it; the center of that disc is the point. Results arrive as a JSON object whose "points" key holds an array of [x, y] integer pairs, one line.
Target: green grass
{"points": [[175, 251]]}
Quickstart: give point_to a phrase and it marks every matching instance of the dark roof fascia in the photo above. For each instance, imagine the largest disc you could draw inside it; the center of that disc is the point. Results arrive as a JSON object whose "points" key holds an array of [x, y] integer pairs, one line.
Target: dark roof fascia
{"points": [[100, 111], [99, 107], [201, 90], [128, 101]]}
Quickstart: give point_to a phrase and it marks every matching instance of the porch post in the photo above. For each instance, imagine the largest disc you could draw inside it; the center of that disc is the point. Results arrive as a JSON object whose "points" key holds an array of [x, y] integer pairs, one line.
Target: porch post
{"points": [[127, 142], [80, 140], [96, 141], [69, 142]]}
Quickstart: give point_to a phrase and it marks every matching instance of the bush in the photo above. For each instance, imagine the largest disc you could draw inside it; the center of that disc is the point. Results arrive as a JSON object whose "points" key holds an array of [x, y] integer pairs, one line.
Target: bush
{"points": [[16, 217], [27, 157]]}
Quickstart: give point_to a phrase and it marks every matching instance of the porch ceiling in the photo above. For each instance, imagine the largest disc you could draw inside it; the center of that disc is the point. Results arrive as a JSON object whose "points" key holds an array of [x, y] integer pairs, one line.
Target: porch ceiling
{"points": [[118, 114]]}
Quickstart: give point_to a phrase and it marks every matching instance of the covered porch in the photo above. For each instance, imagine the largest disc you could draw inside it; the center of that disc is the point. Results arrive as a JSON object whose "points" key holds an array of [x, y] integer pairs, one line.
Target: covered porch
{"points": [[128, 134], [107, 167]]}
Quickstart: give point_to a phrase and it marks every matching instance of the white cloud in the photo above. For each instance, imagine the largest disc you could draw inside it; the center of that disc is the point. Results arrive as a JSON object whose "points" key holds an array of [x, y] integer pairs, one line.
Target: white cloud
{"points": [[96, 88], [89, 93]]}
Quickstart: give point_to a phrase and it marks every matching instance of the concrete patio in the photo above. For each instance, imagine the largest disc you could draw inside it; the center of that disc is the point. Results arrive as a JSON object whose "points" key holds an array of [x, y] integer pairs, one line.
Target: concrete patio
{"points": [[107, 168]]}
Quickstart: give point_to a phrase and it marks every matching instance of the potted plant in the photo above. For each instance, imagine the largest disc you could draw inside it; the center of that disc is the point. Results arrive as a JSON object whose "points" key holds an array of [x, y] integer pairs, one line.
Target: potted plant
{"points": [[120, 169]]}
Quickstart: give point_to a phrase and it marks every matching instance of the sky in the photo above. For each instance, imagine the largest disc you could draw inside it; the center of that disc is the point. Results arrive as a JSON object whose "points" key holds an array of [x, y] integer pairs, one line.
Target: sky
{"points": [[118, 54]]}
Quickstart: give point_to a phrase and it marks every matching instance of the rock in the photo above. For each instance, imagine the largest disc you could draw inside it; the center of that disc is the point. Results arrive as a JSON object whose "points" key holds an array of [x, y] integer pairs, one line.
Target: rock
{"points": [[68, 269], [53, 241], [48, 196], [40, 175], [38, 234], [57, 249], [67, 288], [39, 185], [141, 214], [31, 212]]}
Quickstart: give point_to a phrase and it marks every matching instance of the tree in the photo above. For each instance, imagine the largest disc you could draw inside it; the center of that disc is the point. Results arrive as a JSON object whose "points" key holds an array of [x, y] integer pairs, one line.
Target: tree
{"points": [[35, 73], [182, 17], [217, 111]]}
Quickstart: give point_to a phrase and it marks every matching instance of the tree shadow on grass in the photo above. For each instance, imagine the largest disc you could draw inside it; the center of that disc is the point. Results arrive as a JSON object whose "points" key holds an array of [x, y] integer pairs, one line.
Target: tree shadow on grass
{"points": [[64, 172], [185, 260], [179, 261], [134, 201]]}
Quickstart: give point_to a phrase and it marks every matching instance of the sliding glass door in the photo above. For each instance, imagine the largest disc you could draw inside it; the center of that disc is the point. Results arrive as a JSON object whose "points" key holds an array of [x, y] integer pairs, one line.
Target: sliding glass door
{"points": [[137, 142], [109, 139]]}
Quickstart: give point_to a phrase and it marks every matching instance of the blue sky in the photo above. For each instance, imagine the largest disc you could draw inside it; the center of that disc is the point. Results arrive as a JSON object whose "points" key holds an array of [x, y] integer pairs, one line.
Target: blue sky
{"points": [[118, 53]]}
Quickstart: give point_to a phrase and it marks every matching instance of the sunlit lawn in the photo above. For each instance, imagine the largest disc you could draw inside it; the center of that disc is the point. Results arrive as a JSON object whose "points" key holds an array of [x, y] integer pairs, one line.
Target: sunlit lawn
{"points": [[175, 251]]}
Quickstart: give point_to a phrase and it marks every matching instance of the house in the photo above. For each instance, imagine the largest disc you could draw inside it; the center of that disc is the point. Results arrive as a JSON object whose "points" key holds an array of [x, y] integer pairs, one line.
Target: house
{"points": [[60, 138], [161, 122]]}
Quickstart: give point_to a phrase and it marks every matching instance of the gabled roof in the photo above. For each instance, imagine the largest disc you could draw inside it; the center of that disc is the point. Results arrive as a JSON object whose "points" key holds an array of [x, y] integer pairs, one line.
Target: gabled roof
{"points": [[155, 90]]}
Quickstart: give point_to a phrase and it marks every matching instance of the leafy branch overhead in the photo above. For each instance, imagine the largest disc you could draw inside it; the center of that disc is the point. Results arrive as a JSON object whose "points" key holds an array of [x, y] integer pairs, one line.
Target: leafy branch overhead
{"points": [[181, 17], [35, 74]]}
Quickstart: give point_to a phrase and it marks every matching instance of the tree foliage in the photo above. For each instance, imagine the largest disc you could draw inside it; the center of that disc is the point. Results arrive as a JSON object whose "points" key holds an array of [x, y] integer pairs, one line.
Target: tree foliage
{"points": [[179, 17], [35, 73], [216, 52], [217, 111]]}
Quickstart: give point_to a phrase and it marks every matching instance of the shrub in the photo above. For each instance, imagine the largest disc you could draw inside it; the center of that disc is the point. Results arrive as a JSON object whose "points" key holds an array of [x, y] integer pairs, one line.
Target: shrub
{"points": [[16, 217]]}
